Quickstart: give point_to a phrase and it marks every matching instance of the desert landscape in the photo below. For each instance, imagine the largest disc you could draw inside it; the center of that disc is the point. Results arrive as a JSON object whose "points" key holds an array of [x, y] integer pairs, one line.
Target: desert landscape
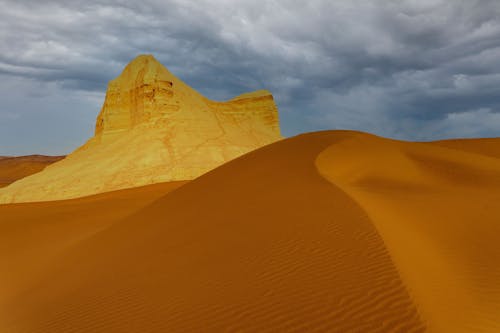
{"points": [[320, 166], [338, 231]]}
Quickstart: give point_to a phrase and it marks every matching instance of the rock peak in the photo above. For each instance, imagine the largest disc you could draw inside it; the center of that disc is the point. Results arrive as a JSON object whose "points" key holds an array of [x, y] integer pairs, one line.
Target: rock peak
{"points": [[143, 90], [143, 61], [153, 128], [144, 56]]}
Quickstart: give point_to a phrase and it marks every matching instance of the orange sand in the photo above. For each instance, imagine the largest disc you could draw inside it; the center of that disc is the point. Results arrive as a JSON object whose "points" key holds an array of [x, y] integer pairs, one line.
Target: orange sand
{"points": [[14, 168], [330, 231]]}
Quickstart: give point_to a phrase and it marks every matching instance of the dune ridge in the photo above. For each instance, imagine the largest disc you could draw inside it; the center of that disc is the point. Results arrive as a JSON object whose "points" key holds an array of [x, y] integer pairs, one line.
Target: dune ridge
{"points": [[333, 231], [428, 200]]}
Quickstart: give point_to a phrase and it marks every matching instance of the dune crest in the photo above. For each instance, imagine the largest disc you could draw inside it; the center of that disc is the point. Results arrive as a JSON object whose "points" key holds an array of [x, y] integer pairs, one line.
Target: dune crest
{"points": [[435, 205], [153, 128]]}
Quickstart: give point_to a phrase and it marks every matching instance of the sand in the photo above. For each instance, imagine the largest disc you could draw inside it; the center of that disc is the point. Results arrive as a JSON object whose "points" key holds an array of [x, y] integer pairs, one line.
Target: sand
{"points": [[331, 231], [14, 168], [436, 207], [33, 235]]}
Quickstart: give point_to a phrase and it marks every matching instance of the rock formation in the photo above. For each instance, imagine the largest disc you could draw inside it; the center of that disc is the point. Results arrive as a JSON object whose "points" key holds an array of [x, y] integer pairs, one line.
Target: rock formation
{"points": [[153, 128]]}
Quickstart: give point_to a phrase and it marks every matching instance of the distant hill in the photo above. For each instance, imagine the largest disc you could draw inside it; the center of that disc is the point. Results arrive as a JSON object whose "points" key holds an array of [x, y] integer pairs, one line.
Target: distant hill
{"points": [[14, 168]]}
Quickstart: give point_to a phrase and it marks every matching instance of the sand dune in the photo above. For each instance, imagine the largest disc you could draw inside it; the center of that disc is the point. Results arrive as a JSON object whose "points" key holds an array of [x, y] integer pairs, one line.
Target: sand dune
{"points": [[436, 207], [14, 168], [33, 235], [330, 231], [488, 147]]}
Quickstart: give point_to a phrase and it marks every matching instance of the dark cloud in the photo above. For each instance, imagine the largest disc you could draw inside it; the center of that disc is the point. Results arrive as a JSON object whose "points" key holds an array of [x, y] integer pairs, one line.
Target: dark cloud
{"points": [[409, 69]]}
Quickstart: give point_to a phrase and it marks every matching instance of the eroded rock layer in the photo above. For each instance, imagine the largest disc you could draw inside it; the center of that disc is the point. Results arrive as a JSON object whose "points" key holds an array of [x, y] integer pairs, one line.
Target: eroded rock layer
{"points": [[153, 128]]}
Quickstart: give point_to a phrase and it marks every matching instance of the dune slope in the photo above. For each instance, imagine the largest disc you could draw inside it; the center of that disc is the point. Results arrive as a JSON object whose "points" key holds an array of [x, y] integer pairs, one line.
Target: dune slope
{"points": [[263, 243], [325, 232], [436, 207], [32, 235]]}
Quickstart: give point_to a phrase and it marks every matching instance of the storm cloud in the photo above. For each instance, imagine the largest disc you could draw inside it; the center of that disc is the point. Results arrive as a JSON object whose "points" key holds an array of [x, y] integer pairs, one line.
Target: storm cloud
{"points": [[414, 69]]}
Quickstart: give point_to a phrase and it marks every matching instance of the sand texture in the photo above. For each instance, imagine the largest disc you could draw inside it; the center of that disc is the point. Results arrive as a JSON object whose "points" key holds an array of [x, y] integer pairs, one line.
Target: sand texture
{"points": [[332, 231], [153, 128]]}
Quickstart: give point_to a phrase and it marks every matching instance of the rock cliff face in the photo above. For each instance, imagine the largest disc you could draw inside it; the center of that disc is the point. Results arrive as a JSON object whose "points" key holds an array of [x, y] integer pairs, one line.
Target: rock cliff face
{"points": [[153, 128]]}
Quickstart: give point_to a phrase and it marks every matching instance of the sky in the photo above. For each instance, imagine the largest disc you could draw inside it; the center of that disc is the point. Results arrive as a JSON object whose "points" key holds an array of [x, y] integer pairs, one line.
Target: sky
{"points": [[405, 69]]}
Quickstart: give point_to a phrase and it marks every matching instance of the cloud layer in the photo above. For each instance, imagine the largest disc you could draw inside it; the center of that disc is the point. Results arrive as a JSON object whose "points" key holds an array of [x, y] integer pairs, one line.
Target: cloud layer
{"points": [[409, 69]]}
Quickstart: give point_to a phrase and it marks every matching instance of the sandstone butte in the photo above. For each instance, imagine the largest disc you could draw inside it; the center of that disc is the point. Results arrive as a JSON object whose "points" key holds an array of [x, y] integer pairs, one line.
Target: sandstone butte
{"points": [[153, 128]]}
